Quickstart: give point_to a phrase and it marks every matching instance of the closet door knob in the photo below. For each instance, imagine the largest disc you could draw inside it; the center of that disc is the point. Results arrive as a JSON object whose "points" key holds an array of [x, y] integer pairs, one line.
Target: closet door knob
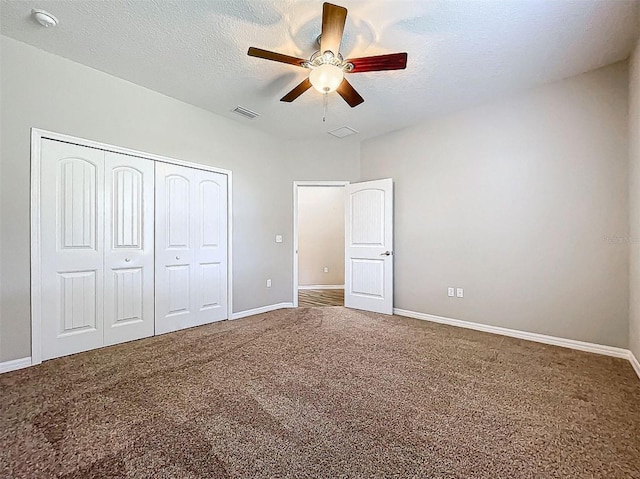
{"points": [[127, 259], [177, 257]]}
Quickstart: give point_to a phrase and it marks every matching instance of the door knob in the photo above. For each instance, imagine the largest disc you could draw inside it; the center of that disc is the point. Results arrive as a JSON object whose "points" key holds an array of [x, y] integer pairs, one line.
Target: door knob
{"points": [[386, 253], [127, 259], [177, 257]]}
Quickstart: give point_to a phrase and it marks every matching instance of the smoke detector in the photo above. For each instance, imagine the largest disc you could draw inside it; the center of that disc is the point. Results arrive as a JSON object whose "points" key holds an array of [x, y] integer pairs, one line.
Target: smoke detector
{"points": [[44, 18]]}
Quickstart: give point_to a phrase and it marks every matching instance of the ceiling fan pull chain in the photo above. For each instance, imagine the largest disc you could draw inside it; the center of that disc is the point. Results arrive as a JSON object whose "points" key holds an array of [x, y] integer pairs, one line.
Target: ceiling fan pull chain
{"points": [[325, 102]]}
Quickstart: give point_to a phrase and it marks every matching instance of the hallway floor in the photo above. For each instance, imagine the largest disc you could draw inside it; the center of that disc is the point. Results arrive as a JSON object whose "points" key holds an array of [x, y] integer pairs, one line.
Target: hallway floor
{"points": [[320, 297]]}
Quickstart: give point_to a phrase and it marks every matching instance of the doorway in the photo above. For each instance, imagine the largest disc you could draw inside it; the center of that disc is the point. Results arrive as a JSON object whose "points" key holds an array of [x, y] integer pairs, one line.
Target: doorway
{"points": [[318, 243]]}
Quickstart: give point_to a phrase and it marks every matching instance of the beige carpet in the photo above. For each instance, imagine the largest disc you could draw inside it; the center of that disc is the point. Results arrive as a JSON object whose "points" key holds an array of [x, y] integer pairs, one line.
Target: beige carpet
{"points": [[323, 392]]}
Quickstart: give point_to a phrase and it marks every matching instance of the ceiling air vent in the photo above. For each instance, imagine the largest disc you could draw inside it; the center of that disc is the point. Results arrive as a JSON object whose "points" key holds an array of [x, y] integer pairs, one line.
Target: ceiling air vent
{"points": [[240, 110], [343, 131]]}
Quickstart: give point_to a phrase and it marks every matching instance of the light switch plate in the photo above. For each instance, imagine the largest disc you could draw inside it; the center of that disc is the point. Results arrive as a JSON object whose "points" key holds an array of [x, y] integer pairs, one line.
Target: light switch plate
{"points": [[460, 293], [278, 238], [451, 292]]}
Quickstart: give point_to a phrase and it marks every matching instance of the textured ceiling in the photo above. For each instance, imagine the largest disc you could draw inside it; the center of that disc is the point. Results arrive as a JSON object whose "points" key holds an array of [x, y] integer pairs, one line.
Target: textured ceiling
{"points": [[460, 52]]}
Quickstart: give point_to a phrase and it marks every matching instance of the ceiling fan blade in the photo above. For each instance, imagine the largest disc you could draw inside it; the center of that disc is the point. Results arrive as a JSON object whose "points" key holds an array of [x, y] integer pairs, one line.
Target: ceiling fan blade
{"points": [[297, 91], [333, 19], [392, 61], [276, 57], [349, 94]]}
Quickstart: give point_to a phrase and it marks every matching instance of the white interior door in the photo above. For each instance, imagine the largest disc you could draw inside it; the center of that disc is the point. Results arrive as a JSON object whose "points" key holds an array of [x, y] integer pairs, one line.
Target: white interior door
{"points": [[369, 246], [191, 247], [72, 239], [129, 244]]}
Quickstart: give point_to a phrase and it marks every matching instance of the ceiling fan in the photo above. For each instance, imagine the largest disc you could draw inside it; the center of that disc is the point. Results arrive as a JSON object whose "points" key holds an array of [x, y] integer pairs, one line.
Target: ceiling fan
{"points": [[327, 64]]}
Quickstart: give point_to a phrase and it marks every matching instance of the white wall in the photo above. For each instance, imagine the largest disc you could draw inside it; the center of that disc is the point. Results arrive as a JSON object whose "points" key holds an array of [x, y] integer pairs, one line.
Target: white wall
{"points": [[522, 202], [634, 194], [320, 235], [45, 91]]}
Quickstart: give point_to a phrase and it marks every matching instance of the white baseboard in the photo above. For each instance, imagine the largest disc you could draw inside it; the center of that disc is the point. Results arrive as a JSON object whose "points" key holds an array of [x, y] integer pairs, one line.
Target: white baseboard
{"points": [[14, 364], [260, 310], [514, 333], [322, 286], [634, 363]]}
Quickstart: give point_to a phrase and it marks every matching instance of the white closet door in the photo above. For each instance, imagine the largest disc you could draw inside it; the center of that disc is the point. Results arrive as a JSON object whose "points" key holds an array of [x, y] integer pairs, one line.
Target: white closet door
{"points": [[191, 247], [129, 244], [211, 246], [72, 219]]}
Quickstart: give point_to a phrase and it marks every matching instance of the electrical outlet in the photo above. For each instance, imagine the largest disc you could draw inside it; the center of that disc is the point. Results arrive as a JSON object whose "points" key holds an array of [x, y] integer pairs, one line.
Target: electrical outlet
{"points": [[268, 283], [325, 269], [451, 292], [460, 293]]}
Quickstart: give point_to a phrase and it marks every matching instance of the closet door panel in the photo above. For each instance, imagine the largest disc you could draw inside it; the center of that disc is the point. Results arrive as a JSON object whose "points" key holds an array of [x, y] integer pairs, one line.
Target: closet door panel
{"points": [[211, 249], [72, 217], [174, 248], [129, 248], [191, 232]]}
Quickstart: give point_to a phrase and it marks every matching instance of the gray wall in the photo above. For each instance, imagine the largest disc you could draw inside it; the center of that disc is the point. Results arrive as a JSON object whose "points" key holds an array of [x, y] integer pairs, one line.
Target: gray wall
{"points": [[634, 178], [522, 202], [45, 91]]}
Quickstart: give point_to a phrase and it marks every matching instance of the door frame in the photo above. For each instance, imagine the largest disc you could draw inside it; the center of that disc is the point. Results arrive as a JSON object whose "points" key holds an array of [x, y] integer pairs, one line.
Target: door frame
{"points": [[37, 135], [296, 185]]}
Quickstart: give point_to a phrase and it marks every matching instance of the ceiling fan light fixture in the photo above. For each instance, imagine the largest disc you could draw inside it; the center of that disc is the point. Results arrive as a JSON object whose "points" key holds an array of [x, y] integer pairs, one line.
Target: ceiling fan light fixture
{"points": [[326, 78]]}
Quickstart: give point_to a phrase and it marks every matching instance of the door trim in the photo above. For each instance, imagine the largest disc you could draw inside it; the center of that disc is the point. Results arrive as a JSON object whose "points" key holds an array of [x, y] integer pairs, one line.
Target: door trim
{"points": [[37, 135], [296, 185]]}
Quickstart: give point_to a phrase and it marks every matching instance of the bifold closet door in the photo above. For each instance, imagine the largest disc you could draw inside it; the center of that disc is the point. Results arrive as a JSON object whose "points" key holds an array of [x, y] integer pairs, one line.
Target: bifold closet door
{"points": [[96, 221], [72, 248], [191, 247], [129, 243]]}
